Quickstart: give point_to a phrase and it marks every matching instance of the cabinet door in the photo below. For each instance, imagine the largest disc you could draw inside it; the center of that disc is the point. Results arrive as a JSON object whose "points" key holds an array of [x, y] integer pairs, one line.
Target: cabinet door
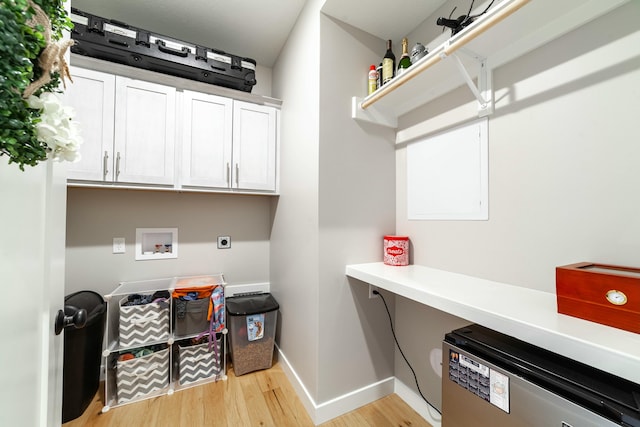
{"points": [[254, 147], [206, 140], [92, 96], [144, 132]]}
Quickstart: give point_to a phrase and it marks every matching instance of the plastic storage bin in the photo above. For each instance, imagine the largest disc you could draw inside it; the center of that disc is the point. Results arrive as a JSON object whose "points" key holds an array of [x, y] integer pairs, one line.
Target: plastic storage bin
{"points": [[252, 329], [141, 357], [82, 354]]}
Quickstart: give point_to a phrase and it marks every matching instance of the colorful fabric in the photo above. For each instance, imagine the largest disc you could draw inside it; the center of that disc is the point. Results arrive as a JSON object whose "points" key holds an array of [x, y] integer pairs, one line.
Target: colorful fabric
{"points": [[216, 318], [216, 307]]}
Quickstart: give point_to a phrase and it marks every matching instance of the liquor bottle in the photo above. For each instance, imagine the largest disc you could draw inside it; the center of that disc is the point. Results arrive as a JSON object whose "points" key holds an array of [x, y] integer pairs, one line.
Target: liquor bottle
{"points": [[405, 61], [373, 79], [388, 64], [379, 70]]}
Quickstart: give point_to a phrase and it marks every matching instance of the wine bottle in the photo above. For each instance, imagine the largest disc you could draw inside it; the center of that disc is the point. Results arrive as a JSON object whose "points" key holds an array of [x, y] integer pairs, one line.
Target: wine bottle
{"points": [[405, 61], [388, 64]]}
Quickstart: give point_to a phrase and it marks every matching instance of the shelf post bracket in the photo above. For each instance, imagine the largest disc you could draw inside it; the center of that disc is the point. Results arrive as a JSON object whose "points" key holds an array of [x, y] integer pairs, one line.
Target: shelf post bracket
{"points": [[483, 92]]}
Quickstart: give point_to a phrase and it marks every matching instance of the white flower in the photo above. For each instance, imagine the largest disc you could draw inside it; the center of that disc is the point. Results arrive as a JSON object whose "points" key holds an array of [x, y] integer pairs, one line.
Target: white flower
{"points": [[56, 127]]}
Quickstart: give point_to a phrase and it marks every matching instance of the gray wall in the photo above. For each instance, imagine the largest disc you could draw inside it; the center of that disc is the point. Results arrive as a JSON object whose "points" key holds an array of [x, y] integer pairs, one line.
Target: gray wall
{"points": [[337, 191], [357, 186], [563, 170], [96, 216], [294, 237]]}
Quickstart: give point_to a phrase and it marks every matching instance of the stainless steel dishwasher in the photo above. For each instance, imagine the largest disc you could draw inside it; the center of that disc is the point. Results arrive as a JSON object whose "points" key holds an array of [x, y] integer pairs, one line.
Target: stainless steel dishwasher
{"points": [[493, 380]]}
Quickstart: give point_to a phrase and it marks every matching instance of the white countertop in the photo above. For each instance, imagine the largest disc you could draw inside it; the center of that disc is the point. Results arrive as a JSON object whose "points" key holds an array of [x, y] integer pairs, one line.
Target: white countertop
{"points": [[524, 313]]}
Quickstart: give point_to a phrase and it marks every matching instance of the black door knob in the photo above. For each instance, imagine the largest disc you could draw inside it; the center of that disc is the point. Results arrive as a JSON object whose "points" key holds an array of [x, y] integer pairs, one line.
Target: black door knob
{"points": [[77, 318]]}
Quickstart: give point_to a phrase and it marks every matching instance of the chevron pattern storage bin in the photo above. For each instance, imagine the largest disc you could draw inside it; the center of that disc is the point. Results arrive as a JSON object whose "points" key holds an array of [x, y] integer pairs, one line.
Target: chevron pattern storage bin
{"points": [[143, 324], [142, 376], [146, 354], [198, 362]]}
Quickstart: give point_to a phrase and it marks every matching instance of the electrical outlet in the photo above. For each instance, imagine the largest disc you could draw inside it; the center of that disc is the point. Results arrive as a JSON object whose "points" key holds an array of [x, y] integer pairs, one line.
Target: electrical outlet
{"points": [[224, 242], [118, 245], [371, 294]]}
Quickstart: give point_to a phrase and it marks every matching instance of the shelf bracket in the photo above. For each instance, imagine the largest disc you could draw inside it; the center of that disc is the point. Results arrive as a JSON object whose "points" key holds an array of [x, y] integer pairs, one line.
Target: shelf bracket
{"points": [[484, 91], [374, 114]]}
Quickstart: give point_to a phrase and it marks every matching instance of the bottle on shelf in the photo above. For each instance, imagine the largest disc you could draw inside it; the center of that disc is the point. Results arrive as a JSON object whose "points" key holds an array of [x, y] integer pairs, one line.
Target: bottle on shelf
{"points": [[379, 70], [388, 64], [418, 52], [405, 61], [373, 79]]}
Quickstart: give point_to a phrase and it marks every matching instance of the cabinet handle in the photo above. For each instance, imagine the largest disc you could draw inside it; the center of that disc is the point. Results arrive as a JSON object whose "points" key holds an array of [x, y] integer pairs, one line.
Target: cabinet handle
{"points": [[117, 165], [228, 174], [105, 165], [237, 175]]}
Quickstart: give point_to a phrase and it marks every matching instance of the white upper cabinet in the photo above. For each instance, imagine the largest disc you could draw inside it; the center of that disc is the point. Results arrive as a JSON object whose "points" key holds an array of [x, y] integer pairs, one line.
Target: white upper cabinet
{"points": [[228, 144], [92, 96], [141, 134], [128, 127], [144, 132], [206, 140], [254, 147]]}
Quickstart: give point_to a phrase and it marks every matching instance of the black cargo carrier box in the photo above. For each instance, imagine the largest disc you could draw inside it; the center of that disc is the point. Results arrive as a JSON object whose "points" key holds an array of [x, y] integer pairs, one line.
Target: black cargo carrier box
{"points": [[116, 41]]}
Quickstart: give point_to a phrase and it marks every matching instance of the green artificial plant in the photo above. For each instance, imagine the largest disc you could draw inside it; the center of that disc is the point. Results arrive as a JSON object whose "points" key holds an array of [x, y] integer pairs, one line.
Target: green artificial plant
{"points": [[20, 47]]}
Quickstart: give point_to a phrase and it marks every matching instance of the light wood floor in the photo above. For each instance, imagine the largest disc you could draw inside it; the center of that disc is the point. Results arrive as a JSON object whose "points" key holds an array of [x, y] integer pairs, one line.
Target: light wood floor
{"points": [[262, 398]]}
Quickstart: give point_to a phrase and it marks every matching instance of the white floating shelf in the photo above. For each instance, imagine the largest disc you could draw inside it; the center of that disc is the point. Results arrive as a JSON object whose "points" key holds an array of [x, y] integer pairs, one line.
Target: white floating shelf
{"points": [[507, 31], [524, 313]]}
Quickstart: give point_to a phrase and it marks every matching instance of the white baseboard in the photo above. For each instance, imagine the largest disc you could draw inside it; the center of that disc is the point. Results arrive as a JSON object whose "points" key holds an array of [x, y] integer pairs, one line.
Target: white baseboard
{"points": [[294, 379], [340, 405], [416, 402], [353, 400]]}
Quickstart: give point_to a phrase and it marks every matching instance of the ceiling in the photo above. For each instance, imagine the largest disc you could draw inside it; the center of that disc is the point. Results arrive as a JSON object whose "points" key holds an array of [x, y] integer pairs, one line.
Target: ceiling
{"points": [[255, 29], [387, 20]]}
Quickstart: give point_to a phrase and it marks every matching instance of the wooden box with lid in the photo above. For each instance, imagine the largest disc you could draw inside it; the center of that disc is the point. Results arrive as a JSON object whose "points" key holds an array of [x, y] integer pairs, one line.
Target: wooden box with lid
{"points": [[600, 293]]}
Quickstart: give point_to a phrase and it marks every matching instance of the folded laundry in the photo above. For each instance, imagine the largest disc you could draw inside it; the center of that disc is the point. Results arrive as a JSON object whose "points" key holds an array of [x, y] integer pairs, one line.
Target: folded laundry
{"points": [[190, 296], [136, 299], [140, 352]]}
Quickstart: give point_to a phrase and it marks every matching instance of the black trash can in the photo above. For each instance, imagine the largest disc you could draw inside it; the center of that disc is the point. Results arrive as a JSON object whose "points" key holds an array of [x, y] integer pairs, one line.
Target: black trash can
{"points": [[252, 329], [82, 353]]}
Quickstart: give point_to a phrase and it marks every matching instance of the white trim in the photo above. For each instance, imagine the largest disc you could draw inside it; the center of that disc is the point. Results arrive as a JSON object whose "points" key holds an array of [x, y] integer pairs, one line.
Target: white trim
{"points": [[340, 405], [353, 400], [179, 83], [234, 289], [416, 402], [298, 386]]}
